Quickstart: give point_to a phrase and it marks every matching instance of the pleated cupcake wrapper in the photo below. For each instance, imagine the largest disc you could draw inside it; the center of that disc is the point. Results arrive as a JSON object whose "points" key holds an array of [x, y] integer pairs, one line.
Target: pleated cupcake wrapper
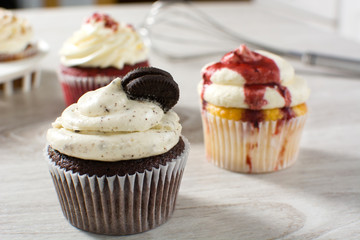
{"points": [[119, 205], [241, 147], [74, 87]]}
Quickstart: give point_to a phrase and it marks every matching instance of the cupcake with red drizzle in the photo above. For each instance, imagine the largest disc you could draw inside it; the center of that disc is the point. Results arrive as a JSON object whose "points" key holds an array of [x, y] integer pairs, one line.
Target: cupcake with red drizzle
{"points": [[253, 111], [100, 51]]}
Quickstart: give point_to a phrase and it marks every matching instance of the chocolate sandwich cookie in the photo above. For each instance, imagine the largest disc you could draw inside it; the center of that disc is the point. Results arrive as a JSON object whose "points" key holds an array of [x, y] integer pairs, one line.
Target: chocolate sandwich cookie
{"points": [[152, 84]]}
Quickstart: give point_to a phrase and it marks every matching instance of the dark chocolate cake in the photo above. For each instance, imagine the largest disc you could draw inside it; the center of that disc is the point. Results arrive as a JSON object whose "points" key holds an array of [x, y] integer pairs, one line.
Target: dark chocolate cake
{"points": [[120, 168]]}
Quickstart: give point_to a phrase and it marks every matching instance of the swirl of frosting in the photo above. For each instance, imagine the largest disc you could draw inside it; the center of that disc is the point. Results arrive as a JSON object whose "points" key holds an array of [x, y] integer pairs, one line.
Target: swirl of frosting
{"points": [[15, 33], [253, 80], [103, 42], [106, 125]]}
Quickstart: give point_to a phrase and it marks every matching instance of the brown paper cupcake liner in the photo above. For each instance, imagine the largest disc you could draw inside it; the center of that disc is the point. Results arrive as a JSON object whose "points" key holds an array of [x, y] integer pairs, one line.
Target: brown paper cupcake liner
{"points": [[240, 147], [119, 205]]}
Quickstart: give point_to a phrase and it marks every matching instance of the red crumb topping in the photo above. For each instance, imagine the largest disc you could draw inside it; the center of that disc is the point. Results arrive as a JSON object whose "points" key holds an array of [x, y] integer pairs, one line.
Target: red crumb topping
{"points": [[101, 17]]}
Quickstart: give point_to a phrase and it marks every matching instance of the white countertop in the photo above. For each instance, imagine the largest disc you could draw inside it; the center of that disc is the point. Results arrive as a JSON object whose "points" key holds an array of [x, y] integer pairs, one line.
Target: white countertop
{"points": [[317, 198]]}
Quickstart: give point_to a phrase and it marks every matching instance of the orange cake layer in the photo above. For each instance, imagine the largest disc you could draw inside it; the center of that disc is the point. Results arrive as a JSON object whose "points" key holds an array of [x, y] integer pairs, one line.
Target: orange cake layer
{"points": [[241, 114]]}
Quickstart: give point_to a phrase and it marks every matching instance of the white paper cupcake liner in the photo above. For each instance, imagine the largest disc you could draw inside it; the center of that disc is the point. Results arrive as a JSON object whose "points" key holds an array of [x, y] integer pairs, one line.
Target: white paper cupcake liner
{"points": [[240, 147], [119, 205]]}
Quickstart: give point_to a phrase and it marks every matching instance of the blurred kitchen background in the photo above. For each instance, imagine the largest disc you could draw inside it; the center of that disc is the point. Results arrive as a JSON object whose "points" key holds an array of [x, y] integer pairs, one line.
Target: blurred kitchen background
{"points": [[339, 16]]}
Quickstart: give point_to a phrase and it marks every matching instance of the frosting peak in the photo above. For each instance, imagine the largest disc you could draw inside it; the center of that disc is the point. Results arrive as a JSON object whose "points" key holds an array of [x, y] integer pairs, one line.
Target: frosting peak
{"points": [[253, 67], [241, 55], [106, 125], [103, 42], [105, 19]]}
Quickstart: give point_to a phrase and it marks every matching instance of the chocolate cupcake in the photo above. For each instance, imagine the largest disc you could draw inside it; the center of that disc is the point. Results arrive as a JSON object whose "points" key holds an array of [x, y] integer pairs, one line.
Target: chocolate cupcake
{"points": [[101, 50], [117, 156], [253, 111]]}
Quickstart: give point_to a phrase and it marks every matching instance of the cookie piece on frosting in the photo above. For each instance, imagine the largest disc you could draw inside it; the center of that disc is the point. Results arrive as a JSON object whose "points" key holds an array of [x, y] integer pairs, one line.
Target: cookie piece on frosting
{"points": [[152, 84]]}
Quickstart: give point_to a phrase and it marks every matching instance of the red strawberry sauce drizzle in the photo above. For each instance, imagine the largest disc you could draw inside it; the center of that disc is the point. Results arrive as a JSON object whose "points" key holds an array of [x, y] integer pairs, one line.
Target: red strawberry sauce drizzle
{"points": [[109, 22], [259, 73], [248, 162]]}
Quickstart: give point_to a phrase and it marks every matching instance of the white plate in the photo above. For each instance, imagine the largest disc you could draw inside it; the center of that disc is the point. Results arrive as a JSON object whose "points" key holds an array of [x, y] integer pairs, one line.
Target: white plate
{"points": [[12, 70]]}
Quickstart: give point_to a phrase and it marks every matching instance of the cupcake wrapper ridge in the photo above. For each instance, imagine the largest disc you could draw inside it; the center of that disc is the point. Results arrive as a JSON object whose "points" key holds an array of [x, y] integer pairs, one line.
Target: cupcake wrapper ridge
{"points": [[74, 87], [240, 147], [119, 205]]}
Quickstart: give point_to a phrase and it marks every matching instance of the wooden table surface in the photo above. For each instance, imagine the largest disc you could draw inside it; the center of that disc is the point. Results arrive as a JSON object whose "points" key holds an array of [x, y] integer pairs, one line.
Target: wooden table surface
{"points": [[317, 198]]}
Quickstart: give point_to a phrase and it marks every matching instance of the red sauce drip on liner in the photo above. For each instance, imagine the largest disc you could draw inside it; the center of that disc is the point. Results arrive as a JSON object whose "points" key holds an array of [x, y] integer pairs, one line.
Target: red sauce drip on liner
{"points": [[248, 162], [109, 22], [253, 116], [287, 113]]}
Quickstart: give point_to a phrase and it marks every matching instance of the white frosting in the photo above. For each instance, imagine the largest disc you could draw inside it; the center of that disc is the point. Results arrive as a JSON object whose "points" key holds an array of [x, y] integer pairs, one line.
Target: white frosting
{"points": [[226, 76], [96, 45], [227, 88], [107, 126], [15, 33], [287, 72]]}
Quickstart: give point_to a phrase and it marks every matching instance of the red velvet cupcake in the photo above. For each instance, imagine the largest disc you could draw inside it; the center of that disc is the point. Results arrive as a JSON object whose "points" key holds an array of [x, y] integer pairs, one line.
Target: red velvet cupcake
{"points": [[100, 51]]}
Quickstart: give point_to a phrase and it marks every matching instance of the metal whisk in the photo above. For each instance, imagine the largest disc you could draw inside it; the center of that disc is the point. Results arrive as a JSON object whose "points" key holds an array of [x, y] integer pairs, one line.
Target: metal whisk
{"points": [[172, 25]]}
